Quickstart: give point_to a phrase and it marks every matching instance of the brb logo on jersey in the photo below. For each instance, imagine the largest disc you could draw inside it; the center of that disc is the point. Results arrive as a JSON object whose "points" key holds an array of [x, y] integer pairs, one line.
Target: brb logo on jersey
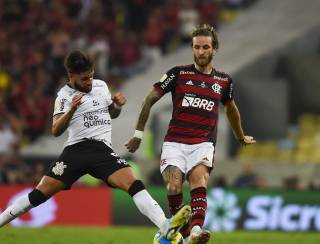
{"points": [[196, 102]]}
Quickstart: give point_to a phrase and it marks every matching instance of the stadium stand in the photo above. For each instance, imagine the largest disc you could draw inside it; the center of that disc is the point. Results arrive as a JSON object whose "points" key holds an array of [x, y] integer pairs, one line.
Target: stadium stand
{"points": [[124, 36]]}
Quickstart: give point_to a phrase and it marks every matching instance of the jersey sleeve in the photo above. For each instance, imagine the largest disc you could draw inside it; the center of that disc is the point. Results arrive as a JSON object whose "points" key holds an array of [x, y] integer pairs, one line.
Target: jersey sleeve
{"points": [[167, 82], [108, 93], [228, 92], [61, 105]]}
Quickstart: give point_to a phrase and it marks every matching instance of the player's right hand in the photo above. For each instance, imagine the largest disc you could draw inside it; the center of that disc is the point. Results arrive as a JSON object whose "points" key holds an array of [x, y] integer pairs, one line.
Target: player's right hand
{"points": [[133, 144], [76, 101], [247, 140]]}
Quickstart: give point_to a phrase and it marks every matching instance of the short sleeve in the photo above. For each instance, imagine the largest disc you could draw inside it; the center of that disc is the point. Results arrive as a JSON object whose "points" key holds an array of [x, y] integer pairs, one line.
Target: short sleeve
{"points": [[108, 93], [61, 105], [167, 82], [228, 92]]}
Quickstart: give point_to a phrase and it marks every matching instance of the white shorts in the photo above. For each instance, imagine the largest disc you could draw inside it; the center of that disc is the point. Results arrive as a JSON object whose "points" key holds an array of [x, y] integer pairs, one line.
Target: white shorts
{"points": [[185, 156]]}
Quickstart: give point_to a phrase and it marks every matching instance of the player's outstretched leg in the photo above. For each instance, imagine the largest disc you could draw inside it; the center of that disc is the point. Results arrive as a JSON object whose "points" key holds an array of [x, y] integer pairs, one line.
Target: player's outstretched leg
{"points": [[22, 205], [47, 187], [125, 180], [149, 207], [172, 226]]}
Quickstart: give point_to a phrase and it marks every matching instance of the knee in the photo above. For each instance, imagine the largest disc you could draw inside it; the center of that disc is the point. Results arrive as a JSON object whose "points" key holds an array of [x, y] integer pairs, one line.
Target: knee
{"points": [[126, 183], [173, 177], [198, 180], [49, 186], [174, 187], [122, 179]]}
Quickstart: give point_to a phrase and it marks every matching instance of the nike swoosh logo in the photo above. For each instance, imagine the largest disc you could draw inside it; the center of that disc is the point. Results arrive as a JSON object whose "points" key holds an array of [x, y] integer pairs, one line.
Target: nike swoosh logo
{"points": [[12, 214]]}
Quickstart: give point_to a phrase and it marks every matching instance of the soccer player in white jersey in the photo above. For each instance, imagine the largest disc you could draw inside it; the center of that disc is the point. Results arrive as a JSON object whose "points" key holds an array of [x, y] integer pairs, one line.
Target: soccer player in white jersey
{"points": [[85, 107]]}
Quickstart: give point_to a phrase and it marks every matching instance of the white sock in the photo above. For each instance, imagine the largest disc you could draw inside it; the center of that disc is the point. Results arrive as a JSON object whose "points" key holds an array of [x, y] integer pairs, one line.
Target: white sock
{"points": [[19, 207], [196, 228], [149, 207]]}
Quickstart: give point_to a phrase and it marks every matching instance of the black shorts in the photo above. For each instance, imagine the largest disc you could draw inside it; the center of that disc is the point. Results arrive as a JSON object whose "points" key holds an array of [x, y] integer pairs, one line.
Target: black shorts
{"points": [[86, 157]]}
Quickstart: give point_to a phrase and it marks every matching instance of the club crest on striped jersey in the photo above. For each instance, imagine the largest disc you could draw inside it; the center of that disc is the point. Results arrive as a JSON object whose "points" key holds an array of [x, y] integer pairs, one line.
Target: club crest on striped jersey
{"points": [[216, 88]]}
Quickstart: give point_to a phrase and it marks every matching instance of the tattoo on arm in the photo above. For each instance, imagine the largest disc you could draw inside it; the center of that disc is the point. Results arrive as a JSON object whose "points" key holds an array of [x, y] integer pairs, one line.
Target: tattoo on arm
{"points": [[56, 117], [60, 122], [151, 99]]}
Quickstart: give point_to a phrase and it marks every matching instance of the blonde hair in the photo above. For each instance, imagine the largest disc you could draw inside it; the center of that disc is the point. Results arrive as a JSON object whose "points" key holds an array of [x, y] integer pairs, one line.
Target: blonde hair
{"points": [[206, 30]]}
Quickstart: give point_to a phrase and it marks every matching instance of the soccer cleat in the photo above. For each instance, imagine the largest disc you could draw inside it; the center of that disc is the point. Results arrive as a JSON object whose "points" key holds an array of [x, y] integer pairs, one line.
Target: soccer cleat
{"points": [[199, 236], [159, 239], [172, 226]]}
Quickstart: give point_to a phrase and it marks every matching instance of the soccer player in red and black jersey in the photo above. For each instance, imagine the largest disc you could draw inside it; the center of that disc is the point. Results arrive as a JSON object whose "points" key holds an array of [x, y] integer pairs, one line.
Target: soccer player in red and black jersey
{"points": [[187, 153]]}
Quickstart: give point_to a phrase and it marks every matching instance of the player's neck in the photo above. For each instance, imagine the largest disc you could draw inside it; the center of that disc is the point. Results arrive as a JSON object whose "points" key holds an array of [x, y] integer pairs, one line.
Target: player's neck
{"points": [[206, 69], [70, 84]]}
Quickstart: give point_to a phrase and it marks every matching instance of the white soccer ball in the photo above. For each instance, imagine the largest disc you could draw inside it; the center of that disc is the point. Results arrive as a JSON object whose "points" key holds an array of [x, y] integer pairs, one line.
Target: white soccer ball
{"points": [[159, 239]]}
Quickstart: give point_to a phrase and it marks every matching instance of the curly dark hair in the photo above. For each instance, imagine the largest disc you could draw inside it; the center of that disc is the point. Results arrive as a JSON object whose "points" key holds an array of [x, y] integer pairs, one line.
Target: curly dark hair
{"points": [[77, 62], [206, 30]]}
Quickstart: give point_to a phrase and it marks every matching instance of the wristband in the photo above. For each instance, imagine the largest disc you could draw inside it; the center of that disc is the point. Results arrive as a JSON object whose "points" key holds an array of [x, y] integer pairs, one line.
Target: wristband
{"points": [[138, 134]]}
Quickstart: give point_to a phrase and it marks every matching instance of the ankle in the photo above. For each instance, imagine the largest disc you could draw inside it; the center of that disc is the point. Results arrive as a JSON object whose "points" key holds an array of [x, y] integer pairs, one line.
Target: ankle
{"points": [[195, 228]]}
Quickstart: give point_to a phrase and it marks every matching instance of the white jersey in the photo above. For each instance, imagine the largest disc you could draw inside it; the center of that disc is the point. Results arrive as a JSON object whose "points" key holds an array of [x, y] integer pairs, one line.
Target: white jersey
{"points": [[92, 119]]}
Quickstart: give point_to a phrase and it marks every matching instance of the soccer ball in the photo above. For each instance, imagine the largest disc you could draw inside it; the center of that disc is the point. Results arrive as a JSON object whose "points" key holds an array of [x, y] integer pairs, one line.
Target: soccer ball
{"points": [[159, 239]]}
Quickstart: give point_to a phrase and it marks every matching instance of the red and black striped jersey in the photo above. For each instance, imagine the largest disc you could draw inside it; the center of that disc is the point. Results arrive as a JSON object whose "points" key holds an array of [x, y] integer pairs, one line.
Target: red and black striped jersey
{"points": [[195, 97]]}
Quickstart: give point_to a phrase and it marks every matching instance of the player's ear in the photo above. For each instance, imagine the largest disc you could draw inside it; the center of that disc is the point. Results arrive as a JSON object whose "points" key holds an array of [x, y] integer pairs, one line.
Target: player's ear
{"points": [[71, 76], [214, 52]]}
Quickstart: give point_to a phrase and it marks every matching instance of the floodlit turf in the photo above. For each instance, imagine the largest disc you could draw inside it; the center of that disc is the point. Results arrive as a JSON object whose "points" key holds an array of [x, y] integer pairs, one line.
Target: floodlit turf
{"points": [[128, 235]]}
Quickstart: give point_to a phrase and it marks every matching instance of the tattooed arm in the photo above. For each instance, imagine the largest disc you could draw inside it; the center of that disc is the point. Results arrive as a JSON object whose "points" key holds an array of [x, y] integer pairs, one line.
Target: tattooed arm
{"points": [[61, 121], [148, 102]]}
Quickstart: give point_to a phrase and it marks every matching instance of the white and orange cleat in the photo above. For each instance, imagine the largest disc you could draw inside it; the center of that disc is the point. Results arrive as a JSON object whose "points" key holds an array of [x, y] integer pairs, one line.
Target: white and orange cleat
{"points": [[198, 235]]}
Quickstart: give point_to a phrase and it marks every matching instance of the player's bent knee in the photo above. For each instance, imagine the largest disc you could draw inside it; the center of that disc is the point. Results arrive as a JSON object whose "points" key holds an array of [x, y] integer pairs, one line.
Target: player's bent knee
{"points": [[136, 187], [198, 182], [174, 188], [36, 197]]}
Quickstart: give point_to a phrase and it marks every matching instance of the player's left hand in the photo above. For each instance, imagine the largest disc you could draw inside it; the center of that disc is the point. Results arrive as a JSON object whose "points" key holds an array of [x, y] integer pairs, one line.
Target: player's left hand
{"points": [[247, 140], [119, 99], [133, 144]]}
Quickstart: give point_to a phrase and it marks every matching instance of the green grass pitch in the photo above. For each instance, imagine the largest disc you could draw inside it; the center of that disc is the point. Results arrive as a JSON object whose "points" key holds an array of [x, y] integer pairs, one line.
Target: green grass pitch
{"points": [[139, 235]]}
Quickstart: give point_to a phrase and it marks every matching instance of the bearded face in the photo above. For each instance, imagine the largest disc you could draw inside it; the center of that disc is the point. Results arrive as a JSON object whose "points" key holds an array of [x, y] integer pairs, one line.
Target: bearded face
{"points": [[203, 61], [202, 50], [83, 81]]}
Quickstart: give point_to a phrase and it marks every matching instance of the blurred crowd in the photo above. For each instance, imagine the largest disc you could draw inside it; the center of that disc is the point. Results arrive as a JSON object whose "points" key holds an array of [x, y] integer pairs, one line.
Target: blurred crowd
{"points": [[123, 36]]}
